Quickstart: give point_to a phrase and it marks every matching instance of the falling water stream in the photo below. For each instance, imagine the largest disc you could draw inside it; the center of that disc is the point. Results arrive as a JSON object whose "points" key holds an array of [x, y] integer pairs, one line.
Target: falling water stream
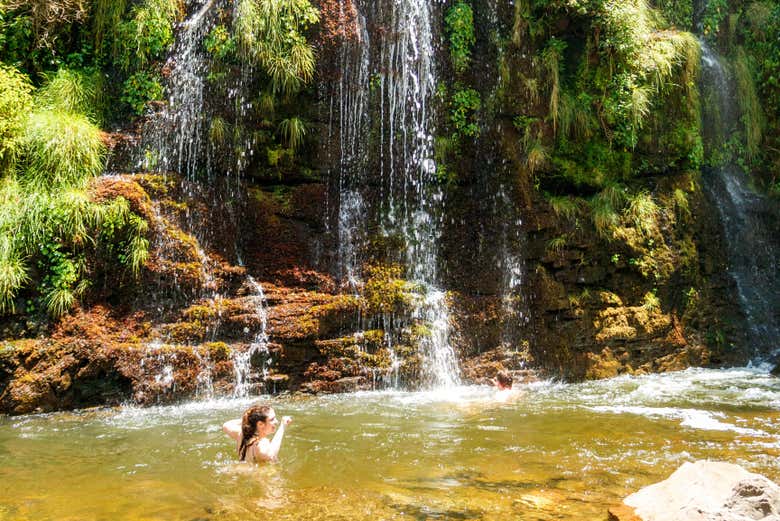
{"points": [[751, 243], [411, 200], [175, 141]]}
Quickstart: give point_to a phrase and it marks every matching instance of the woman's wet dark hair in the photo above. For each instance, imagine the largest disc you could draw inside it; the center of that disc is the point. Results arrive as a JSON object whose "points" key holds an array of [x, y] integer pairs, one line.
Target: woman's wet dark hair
{"points": [[504, 379], [256, 413]]}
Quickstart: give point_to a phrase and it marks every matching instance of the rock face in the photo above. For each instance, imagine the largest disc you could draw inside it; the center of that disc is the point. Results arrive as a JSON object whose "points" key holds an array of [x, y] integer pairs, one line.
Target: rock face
{"points": [[704, 491]]}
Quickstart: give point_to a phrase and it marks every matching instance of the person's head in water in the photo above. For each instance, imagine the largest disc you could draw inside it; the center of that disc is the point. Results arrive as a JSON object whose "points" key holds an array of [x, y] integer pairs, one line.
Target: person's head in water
{"points": [[503, 380], [257, 422]]}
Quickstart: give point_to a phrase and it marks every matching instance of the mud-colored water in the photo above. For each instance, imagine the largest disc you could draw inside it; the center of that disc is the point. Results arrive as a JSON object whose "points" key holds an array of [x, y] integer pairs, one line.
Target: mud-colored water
{"points": [[557, 452]]}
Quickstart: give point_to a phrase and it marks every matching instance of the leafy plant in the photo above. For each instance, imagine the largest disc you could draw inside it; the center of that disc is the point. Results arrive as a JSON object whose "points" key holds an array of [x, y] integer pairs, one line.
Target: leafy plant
{"points": [[271, 33], [219, 43], [459, 22], [603, 214], [293, 131], [556, 245], [644, 213], [552, 60], [72, 91], [148, 34], [15, 103], [463, 109], [139, 89], [564, 206]]}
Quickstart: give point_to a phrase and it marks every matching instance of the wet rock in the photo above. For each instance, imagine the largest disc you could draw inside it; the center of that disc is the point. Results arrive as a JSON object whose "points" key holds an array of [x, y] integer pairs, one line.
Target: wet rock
{"points": [[776, 370], [704, 491]]}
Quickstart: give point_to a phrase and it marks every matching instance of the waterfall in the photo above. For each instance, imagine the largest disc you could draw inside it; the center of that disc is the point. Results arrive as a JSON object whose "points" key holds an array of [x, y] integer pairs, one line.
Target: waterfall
{"points": [[176, 133], [751, 243], [393, 79], [175, 140], [242, 360]]}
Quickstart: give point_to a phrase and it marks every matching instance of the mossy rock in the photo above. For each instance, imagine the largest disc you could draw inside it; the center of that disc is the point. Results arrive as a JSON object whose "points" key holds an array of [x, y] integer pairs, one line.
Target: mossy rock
{"points": [[218, 351], [604, 365], [185, 332]]}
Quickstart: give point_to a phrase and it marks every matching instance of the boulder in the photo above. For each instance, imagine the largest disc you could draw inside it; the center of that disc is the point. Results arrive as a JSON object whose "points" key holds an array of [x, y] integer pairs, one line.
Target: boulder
{"points": [[704, 491]]}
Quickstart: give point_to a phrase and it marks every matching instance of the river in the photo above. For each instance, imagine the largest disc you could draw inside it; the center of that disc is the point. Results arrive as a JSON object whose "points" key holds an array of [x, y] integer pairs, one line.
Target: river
{"points": [[559, 451]]}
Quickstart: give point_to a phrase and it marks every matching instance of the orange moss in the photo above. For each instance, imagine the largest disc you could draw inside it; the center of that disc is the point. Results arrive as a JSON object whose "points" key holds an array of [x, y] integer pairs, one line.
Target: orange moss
{"points": [[107, 188]]}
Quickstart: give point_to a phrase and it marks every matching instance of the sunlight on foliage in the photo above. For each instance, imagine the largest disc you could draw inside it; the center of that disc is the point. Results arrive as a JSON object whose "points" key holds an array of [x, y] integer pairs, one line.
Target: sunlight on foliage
{"points": [[270, 32], [73, 92], [293, 131], [15, 103], [61, 149]]}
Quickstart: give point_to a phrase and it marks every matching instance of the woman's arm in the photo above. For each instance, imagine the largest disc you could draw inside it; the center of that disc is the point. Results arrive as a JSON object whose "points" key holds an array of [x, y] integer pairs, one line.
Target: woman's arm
{"points": [[269, 450], [233, 429]]}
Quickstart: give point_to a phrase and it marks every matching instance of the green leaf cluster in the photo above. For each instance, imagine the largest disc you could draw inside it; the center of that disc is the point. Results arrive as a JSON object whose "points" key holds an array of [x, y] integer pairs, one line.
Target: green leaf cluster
{"points": [[51, 232], [271, 33], [464, 106], [459, 22]]}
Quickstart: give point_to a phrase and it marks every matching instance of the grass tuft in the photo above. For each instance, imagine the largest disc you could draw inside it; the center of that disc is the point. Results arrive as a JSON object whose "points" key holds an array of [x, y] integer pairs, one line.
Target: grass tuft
{"points": [[61, 150], [293, 131]]}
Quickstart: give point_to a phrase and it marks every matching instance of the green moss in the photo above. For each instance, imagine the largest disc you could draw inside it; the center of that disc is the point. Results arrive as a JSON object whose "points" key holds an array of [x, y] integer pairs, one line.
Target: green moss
{"points": [[385, 290]]}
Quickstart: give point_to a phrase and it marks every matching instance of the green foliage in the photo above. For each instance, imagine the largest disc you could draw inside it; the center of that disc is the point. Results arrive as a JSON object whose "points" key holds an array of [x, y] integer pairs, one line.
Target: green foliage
{"points": [[106, 17], [604, 213], [552, 57], [219, 43], [15, 103], [564, 206], [463, 111], [678, 12], [644, 213], [218, 130], [681, 204], [56, 229], [536, 156], [72, 91], [459, 22], [752, 116], [60, 149], [148, 34], [651, 302], [293, 131], [556, 245], [13, 273], [139, 89], [715, 11], [271, 33]]}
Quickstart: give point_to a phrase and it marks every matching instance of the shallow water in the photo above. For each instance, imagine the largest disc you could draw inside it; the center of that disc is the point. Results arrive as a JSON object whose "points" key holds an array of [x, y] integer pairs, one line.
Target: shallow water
{"points": [[558, 452]]}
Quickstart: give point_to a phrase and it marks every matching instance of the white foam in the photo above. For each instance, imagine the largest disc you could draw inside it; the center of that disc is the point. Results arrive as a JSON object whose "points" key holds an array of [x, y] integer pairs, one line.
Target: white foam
{"points": [[693, 418]]}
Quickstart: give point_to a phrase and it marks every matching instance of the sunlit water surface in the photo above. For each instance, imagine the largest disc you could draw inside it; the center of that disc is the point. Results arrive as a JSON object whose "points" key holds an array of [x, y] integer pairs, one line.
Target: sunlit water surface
{"points": [[558, 452]]}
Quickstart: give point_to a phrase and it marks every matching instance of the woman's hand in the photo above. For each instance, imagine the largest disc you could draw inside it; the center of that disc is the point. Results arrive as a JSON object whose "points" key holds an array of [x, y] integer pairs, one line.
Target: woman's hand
{"points": [[286, 420]]}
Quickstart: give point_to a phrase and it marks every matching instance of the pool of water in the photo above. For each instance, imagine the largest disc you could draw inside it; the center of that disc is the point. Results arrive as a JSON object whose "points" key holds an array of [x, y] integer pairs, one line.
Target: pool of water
{"points": [[559, 451]]}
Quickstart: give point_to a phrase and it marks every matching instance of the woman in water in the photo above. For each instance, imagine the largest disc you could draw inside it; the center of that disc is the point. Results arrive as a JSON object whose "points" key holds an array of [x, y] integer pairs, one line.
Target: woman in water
{"points": [[251, 431]]}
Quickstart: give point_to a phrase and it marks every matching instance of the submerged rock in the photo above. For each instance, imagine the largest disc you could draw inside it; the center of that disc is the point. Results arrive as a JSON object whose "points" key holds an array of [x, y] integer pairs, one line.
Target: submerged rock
{"points": [[704, 491]]}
